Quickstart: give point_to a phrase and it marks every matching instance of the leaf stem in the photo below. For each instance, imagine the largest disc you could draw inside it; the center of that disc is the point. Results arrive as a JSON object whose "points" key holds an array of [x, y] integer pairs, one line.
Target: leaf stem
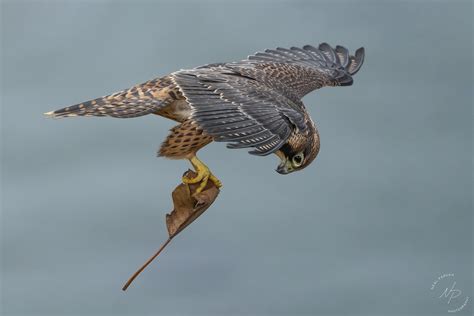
{"points": [[163, 246]]}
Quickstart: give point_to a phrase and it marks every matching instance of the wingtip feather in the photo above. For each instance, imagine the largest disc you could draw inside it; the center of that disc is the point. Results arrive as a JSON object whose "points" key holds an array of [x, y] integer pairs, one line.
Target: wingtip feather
{"points": [[356, 61]]}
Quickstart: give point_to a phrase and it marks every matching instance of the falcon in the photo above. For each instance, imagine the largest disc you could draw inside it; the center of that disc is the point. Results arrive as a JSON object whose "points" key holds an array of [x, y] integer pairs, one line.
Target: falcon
{"points": [[254, 103]]}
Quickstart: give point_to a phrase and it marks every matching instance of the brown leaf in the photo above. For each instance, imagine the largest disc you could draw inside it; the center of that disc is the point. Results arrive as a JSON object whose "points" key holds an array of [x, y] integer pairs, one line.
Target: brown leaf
{"points": [[187, 207]]}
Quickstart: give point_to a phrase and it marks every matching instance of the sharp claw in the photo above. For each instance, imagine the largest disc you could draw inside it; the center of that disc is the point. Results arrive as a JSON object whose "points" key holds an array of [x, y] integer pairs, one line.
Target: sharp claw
{"points": [[202, 177], [216, 181]]}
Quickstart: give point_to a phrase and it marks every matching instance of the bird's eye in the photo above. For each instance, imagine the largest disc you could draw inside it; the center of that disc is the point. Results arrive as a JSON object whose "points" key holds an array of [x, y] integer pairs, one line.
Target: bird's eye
{"points": [[298, 159]]}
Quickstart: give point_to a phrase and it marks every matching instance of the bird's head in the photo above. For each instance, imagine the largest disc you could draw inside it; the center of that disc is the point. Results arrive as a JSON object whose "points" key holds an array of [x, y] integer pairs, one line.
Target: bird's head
{"points": [[298, 152]]}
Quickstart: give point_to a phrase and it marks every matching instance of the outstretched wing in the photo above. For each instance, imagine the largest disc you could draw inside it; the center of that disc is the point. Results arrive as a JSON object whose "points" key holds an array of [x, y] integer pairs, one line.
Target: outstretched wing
{"points": [[240, 110], [298, 71]]}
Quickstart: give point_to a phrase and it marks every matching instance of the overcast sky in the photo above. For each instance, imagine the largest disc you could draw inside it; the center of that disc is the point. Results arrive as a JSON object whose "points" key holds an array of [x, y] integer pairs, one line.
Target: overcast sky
{"points": [[365, 230]]}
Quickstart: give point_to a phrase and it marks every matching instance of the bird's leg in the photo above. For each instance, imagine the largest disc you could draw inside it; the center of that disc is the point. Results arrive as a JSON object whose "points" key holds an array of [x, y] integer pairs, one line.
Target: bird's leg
{"points": [[203, 175]]}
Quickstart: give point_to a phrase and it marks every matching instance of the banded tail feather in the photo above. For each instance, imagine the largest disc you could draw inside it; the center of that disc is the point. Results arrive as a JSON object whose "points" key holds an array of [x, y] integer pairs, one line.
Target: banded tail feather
{"points": [[139, 100]]}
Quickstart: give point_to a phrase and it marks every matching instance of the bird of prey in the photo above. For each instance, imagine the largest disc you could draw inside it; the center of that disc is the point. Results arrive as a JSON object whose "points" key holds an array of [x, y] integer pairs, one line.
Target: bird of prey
{"points": [[253, 103]]}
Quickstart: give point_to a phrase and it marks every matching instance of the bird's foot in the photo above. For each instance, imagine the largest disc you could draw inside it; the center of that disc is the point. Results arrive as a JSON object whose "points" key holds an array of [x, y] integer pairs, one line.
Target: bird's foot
{"points": [[202, 177], [216, 181]]}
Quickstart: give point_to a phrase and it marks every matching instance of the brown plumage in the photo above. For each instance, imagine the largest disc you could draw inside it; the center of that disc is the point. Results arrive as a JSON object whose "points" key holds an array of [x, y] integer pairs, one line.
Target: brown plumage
{"points": [[184, 141], [254, 103]]}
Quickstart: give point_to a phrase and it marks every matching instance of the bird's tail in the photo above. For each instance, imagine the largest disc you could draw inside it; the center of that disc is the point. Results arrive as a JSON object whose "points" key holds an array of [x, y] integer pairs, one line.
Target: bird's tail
{"points": [[139, 100]]}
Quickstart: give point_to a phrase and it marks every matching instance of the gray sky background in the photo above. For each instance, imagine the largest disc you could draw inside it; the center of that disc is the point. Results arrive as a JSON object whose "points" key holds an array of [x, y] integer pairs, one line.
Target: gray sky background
{"points": [[365, 230]]}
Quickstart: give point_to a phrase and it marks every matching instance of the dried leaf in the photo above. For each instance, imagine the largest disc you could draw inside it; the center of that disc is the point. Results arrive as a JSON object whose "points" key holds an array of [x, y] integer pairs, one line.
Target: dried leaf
{"points": [[187, 207]]}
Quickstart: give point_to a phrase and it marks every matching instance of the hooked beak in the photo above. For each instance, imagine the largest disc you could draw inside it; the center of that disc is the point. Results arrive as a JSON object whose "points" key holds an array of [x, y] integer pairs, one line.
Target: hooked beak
{"points": [[285, 166]]}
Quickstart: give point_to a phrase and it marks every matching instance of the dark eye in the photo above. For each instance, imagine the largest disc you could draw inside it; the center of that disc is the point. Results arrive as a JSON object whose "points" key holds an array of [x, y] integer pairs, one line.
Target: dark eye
{"points": [[298, 159]]}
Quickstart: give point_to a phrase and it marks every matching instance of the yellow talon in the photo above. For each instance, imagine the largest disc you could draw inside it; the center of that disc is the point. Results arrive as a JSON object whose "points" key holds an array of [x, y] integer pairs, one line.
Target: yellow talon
{"points": [[216, 181], [203, 175]]}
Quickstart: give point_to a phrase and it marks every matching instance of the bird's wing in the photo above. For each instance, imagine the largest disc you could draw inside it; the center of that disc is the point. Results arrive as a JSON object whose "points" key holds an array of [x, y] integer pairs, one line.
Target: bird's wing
{"points": [[298, 71], [240, 110]]}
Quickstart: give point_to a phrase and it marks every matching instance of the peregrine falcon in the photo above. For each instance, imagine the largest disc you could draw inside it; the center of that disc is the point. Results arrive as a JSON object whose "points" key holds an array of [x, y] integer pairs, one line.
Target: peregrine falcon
{"points": [[253, 103]]}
